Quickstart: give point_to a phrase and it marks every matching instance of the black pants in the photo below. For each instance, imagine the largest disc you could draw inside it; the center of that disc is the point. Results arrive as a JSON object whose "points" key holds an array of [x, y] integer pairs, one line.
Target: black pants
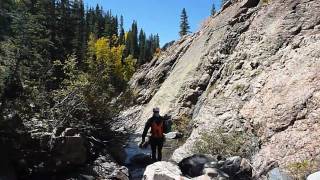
{"points": [[156, 145]]}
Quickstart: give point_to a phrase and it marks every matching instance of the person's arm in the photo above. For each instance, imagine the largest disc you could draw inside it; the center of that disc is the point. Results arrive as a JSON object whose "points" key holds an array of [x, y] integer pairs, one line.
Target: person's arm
{"points": [[164, 126], [146, 128]]}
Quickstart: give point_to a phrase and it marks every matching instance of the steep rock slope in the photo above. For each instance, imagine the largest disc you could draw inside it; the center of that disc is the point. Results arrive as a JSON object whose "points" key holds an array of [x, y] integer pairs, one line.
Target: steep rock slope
{"points": [[254, 68]]}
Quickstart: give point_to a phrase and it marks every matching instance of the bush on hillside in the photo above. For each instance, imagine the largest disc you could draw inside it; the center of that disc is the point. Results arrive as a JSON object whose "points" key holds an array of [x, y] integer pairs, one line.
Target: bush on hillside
{"points": [[300, 170], [226, 144]]}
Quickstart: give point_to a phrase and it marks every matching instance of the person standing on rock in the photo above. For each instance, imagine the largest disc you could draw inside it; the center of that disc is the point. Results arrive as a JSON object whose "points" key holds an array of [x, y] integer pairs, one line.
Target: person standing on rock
{"points": [[156, 123]]}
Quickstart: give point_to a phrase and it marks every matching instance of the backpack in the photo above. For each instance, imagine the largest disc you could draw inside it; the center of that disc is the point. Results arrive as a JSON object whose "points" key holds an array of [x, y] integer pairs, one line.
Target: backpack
{"points": [[157, 129]]}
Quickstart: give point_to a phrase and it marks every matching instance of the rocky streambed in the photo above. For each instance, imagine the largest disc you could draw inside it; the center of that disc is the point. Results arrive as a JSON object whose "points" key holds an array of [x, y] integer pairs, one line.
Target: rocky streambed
{"points": [[64, 153], [137, 159]]}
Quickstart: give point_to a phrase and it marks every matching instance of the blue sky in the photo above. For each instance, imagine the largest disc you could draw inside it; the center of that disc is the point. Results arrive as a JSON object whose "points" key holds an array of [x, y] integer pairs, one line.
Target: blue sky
{"points": [[158, 16]]}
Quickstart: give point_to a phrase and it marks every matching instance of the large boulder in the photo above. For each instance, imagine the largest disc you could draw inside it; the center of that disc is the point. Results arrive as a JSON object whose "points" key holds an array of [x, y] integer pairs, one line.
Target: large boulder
{"points": [[212, 174], [69, 148], [314, 176], [237, 168], [277, 174], [162, 171], [173, 135], [233, 168], [193, 166]]}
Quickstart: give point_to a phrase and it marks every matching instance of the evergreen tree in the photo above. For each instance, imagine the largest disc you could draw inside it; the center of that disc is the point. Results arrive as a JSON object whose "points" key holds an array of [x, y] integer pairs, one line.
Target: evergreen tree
{"points": [[142, 48], [108, 24], [50, 49], [132, 41], [121, 33], [79, 41], [134, 51], [213, 9], [5, 7], [65, 30], [100, 22], [114, 25], [157, 41], [184, 24]]}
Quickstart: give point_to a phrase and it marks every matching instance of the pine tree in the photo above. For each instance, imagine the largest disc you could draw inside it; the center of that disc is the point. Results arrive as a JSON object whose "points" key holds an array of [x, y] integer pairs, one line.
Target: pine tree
{"points": [[134, 51], [6, 6], [121, 33], [108, 25], [184, 24], [79, 40], [65, 30], [114, 25], [132, 41], [213, 9], [142, 48], [100, 23]]}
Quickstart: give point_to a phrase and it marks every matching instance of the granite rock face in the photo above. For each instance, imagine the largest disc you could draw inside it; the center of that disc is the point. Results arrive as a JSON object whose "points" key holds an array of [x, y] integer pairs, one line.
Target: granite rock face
{"points": [[253, 68]]}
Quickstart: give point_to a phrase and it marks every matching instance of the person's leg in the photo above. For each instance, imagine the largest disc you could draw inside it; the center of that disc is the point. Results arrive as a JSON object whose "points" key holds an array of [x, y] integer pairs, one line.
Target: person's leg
{"points": [[153, 149], [159, 147]]}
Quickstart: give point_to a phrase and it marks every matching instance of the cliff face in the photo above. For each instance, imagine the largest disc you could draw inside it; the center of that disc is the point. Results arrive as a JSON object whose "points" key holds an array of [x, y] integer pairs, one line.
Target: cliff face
{"points": [[253, 67]]}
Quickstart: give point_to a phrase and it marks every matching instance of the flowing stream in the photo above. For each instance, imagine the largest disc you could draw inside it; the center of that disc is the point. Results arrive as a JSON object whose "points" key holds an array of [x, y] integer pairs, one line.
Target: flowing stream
{"points": [[132, 150]]}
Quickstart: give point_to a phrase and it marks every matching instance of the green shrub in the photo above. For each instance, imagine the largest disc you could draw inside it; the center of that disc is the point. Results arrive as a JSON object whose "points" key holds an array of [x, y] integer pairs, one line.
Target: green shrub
{"points": [[265, 1], [218, 142], [300, 170], [240, 88]]}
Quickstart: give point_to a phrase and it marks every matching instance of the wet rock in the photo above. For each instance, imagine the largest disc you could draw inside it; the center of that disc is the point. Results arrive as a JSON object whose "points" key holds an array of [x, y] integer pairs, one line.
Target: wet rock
{"points": [[314, 176], [233, 168], [237, 168], [86, 177], [162, 171], [121, 173], [173, 135], [214, 173], [141, 159], [193, 166], [69, 150], [105, 168], [277, 174]]}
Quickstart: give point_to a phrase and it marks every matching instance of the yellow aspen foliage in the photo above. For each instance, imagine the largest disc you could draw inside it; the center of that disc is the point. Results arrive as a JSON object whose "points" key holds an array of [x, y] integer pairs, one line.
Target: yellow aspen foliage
{"points": [[114, 40], [129, 67], [117, 57], [126, 35], [108, 59], [158, 51], [91, 44], [103, 51]]}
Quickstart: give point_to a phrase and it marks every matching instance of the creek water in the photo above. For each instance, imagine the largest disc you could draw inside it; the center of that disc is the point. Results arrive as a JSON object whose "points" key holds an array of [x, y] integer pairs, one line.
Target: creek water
{"points": [[132, 149]]}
